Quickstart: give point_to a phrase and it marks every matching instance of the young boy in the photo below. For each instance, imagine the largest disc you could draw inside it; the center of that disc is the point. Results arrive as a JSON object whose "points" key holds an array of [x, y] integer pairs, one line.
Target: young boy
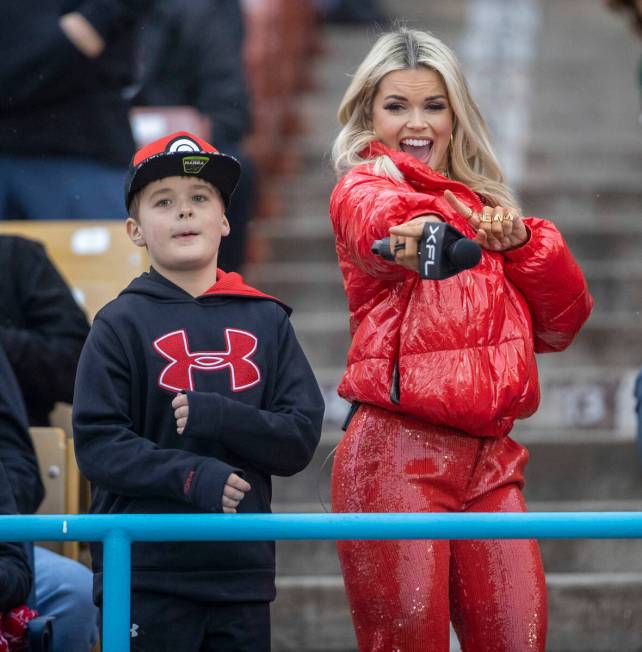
{"points": [[191, 392]]}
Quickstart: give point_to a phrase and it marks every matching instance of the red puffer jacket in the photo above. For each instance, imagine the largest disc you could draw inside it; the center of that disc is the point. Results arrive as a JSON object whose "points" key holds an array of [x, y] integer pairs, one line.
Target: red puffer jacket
{"points": [[458, 352]]}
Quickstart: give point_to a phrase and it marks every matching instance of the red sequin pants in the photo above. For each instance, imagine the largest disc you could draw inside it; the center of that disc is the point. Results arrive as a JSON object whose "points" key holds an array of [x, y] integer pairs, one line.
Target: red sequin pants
{"points": [[403, 594]]}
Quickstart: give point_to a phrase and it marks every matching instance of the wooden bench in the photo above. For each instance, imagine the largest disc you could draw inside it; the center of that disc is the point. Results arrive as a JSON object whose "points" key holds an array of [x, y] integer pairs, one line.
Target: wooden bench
{"points": [[61, 478]]}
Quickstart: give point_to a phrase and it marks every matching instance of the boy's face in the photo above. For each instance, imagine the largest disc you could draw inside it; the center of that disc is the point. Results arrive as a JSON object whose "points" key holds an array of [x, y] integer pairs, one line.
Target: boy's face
{"points": [[181, 221]]}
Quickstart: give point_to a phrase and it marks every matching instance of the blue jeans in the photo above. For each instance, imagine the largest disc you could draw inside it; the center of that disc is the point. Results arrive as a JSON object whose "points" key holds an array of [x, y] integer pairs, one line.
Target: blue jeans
{"points": [[63, 590], [60, 188]]}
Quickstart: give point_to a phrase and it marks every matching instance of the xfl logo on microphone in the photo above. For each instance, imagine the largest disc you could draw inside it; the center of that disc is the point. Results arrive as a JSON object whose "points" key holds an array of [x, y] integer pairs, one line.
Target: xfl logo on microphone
{"points": [[430, 244], [177, 375]]}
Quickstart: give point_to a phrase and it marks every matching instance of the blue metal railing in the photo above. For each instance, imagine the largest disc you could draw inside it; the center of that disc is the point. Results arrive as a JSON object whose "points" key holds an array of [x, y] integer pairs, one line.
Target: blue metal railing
{"points": [[117, 532]]}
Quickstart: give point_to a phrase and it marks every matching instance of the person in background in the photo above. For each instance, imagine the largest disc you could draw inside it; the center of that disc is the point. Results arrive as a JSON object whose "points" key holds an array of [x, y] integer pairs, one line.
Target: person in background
{"points": [[438, 371], [15, 574], [351, 12], [190, 52], [63, 586], [65, 137], [15, 580], [42, 328]]}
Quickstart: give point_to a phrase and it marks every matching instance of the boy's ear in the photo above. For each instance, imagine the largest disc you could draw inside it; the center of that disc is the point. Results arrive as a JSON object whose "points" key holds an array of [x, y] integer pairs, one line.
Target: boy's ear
{"points": [[225, 226], [135, 233]]}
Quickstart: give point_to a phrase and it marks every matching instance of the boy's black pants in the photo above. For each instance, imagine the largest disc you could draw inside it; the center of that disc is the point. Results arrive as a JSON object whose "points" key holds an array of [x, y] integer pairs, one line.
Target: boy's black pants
{"points": [[163, 623]]}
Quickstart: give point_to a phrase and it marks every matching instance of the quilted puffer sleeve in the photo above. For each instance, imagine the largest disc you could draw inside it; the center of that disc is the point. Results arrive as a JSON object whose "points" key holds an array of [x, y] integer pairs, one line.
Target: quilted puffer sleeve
{"points": [[364, 206], [553, 284]]}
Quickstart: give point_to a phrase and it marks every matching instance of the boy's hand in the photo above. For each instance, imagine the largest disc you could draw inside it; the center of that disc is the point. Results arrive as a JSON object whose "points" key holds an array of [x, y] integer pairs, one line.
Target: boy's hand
{"points": [[181, 412], [234, 492]]}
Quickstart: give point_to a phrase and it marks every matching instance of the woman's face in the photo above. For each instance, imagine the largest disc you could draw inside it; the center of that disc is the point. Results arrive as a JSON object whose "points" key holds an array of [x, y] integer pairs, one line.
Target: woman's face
{"points": [[411, 113]]}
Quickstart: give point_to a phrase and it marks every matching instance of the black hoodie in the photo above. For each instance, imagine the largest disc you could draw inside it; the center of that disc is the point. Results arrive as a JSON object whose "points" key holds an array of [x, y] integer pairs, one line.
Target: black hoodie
{"points": [[254, 408], [17, 453]]}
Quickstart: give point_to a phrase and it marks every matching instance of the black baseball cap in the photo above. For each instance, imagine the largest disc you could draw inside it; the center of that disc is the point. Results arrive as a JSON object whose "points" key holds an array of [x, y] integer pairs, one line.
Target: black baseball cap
{"points": [[182, 154]]}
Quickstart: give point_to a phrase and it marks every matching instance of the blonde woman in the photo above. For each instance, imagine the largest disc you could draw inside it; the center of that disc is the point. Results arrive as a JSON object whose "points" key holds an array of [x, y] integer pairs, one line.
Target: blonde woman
{"points": [[438, 371]]}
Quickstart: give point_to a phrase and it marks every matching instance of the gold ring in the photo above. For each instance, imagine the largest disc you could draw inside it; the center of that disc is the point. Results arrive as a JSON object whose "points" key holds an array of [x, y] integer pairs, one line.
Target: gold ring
{"points": [[497, 218], [486, 218], [470, 214], [509, 217]]}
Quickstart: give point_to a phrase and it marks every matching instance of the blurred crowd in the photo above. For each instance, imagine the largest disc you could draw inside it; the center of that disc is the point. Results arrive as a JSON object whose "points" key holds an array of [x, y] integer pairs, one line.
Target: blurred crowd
{"points": [[89, 81]]}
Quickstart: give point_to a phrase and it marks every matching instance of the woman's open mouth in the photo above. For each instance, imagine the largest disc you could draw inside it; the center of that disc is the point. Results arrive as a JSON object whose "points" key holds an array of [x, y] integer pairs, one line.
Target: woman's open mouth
{"points": [[420, 148]]}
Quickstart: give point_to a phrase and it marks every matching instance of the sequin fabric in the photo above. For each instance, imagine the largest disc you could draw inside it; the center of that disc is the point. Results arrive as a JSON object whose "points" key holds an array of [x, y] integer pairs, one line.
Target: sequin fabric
{"points": [[403, 594]]}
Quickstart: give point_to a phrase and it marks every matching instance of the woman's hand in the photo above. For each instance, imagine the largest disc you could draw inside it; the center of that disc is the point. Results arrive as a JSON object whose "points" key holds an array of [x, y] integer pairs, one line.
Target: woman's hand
{"points": [[404, 240], [498, 228], [181, 412]]}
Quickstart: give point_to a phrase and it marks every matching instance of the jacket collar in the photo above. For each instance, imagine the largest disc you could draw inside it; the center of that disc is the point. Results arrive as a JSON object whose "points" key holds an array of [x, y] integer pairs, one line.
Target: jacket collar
{"points": [[227, 284]]}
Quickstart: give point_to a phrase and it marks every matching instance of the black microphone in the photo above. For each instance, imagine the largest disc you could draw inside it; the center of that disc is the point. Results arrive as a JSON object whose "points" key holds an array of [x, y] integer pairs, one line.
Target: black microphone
{"points": [[443, 251]]}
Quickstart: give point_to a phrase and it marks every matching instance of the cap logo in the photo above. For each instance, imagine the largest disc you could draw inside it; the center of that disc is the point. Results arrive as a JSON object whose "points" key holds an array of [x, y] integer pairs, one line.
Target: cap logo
{"points": [[183, 145], [194, 164]]}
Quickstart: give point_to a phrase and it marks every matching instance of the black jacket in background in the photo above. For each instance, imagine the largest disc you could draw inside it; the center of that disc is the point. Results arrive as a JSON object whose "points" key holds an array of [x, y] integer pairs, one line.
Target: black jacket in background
{"points": [[254, 408], [42, 328], [53, 99], [20, 487], [17, 454], [191, 53], [15, 574]]}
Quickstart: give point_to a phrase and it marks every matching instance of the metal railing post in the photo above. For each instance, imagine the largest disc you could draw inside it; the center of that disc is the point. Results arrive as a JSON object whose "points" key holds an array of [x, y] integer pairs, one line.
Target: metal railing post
{"points": [[116, 591]]}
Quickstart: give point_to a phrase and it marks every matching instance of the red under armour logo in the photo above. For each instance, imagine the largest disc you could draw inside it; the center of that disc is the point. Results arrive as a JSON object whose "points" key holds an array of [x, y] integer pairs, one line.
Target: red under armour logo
{"points": [[177, 375]]}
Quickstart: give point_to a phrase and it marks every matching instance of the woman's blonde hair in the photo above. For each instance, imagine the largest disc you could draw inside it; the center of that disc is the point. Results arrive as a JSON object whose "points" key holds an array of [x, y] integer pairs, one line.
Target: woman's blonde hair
{"points": [[471, 158]]}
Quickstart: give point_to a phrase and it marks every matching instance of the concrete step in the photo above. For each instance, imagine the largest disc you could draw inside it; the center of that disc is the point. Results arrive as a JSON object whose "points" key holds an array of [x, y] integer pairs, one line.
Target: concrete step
{"points": [[607, 339], [616, 284], [576, 470], [306, 239], [588, 397], [591, 612], [594, 469], [306, 286], [594, 612], [605, 242], [584, 203], [563, 161]]}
